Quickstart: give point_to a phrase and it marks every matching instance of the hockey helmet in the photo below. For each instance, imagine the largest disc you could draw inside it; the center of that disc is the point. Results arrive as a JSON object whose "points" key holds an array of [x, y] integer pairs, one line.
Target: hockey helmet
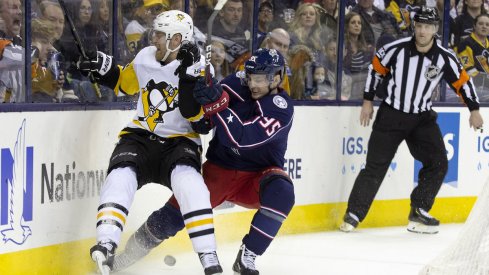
{"points": [[266, 61], [173, 22], [427, 15]]}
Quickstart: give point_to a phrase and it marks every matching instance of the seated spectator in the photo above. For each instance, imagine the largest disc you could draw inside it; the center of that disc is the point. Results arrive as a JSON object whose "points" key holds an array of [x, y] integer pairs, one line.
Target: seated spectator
{"points": [[265, 18], [142, 20], [464, 23], [229, 27], [403, 11], [473, 53], [82, 12], [330, 50], [52, 12], [47, 78], [379, 27], [306, 28], [301, 59], [329, 16], [205, 8], [11, 52], [218, 60], [358, 54]]}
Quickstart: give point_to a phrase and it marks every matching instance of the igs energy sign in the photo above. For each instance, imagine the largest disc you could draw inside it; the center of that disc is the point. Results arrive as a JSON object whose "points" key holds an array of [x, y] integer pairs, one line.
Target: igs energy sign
{"points": [[450, 130]]}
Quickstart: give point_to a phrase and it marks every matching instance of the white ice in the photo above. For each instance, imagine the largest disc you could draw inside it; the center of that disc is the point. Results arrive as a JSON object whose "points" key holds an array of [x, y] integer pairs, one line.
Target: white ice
{"points": [[378, 251]]}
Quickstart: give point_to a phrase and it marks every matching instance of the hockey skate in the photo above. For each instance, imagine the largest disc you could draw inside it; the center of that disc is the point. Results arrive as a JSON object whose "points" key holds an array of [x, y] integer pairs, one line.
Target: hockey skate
{"points": [[103, 254], [422, 222], [210, 262], [350, 222], [245, 262]]}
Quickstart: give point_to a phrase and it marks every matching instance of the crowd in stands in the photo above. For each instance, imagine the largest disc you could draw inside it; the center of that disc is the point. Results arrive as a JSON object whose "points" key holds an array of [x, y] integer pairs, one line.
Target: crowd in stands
{"points": [[306, 32]]}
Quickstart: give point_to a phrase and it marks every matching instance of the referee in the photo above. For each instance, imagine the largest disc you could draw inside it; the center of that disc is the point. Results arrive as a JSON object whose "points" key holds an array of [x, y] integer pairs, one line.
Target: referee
{"points": [[406, 72]]}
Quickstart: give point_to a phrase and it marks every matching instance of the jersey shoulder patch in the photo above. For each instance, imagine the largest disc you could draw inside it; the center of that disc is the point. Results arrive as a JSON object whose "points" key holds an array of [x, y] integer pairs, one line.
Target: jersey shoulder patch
{"points": [[280, 102]]}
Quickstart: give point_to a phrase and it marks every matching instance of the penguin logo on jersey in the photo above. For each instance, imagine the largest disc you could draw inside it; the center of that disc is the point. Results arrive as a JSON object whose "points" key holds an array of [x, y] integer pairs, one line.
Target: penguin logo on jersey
{"points": [[157, 99], [432, 72], [484, 60]]}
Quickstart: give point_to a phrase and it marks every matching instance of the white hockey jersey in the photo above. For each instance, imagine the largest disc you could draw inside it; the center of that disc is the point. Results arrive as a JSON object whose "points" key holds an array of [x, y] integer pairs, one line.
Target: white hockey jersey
{"points": [[157, 108]]}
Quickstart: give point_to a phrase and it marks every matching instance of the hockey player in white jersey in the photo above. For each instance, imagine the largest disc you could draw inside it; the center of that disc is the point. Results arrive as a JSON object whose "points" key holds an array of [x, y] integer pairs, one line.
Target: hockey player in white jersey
{"points": [[161, 144]]}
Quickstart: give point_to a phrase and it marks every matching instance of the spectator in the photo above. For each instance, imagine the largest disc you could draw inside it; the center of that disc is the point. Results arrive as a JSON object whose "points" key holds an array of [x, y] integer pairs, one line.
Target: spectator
{"points": [[403, 11], [265, 18], [82, 13], [464, 23], [301, 59], [306, 28], [142, 19], [11, 52], [229, 24], [330, 50], [47, 80], [52, 12], [101, 21], [473, 53], [358, 54], [205, 8], [218, 60], [380, 27], [229, 27], [330, 14]]}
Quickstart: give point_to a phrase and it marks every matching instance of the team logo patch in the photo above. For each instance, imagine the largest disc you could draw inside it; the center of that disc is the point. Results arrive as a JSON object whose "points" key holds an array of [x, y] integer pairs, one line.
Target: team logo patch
{"points": [[280, 102], [432, 72], [180, 17]]}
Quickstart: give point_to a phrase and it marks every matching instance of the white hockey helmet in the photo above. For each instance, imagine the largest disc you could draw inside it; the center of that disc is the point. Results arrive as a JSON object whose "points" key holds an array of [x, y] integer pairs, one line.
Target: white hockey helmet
{"points": [[174, 21]]}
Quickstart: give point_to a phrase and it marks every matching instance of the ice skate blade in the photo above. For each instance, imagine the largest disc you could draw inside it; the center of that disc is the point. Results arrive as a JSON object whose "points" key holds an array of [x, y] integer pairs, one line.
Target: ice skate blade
{"points": [[99, 258], [346, 227], [417, 227]]}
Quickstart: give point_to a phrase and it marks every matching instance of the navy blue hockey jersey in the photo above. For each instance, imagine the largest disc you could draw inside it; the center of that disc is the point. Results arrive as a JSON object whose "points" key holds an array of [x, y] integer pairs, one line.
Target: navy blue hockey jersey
{"points": [[250, 134]]}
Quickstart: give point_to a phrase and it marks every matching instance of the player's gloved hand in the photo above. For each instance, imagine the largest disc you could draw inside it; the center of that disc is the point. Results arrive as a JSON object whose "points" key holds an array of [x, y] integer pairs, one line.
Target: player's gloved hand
{"points": [[97, 63], [213, 99], [202, 126], [188, 55]]}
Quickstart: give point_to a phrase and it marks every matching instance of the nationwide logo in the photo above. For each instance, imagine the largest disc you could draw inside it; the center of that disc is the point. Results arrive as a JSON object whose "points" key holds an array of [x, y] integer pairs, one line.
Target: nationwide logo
{"points": [[450, 130], [16, 175]]}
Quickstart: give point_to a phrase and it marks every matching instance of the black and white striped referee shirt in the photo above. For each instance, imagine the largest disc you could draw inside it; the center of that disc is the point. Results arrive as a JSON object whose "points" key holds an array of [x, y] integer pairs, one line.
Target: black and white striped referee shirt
{"points": [[411, 76]]}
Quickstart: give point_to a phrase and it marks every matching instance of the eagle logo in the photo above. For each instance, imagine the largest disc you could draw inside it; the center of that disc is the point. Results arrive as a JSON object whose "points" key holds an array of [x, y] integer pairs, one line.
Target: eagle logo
{"points": [[18, 232], [158, 98]]}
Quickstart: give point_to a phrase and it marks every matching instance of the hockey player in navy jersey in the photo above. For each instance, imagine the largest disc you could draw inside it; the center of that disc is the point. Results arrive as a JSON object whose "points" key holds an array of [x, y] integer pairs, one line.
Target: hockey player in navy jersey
{"points": [[160, 144], [252, 118]]}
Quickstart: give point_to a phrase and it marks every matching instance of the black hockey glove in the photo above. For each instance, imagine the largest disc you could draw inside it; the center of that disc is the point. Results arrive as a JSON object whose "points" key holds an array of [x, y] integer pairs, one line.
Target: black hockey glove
{"points": [[213, 99], [188, 55], [97, 63]]}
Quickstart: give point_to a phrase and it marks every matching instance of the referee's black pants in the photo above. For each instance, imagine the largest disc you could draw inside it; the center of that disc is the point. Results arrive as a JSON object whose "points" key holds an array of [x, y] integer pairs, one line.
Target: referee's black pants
{"points": [[425, 142]]}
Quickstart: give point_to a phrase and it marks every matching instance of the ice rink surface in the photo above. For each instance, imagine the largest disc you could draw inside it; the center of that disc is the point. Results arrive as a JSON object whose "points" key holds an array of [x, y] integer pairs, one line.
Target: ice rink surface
{"points": [[378, 251]]}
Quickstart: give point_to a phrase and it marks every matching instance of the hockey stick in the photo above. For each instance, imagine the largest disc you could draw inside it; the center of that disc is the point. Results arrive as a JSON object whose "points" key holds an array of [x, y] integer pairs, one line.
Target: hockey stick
{"points": [[208, 48], [79, 44]]}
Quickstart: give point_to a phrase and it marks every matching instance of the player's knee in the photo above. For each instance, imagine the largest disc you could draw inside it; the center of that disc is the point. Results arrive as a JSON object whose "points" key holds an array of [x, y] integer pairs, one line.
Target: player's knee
{"points": [[186, 181], [165, 222], [278, 194]]}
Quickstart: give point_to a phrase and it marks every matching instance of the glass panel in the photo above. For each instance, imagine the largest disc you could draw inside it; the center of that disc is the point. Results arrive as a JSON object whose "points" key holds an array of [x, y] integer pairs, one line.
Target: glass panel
{"points": [[11, 52]]}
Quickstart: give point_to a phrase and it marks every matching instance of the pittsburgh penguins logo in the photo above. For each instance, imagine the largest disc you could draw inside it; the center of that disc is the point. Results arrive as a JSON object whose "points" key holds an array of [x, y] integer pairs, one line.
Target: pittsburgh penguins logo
{"points": [[483, 60], [158, 98], [180, 17]]}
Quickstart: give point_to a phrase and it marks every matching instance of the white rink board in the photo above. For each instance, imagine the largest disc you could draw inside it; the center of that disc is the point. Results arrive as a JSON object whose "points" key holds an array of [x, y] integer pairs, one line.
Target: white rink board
{"points": [[323, 170]]}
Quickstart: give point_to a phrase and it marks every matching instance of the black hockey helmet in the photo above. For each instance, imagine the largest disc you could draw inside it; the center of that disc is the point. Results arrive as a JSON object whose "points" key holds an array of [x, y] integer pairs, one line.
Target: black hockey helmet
{"points": [[427, 15]]}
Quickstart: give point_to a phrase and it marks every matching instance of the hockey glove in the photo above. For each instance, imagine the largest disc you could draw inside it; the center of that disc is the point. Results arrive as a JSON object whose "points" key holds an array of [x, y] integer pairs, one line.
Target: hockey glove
{"points": [[97, 63], [188, 55], [202, 126], [213, 99]]}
